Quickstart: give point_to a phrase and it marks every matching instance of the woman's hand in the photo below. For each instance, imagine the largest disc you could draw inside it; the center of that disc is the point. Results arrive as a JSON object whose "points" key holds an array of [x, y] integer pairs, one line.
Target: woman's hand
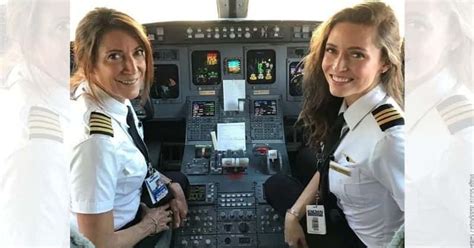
{"points": [[178, 205], [160, 217], [294, 234]]}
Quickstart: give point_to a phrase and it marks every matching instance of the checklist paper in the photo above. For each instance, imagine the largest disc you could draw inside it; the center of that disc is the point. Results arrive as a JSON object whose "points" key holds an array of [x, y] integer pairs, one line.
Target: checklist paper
{"points": [[234, 90], [231, 136]]}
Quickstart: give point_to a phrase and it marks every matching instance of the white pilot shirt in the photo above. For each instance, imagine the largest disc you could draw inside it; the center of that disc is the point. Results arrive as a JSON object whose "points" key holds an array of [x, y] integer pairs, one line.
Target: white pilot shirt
{"points": [[439, 162], [107, 171], [34, 193], [372, 197]]}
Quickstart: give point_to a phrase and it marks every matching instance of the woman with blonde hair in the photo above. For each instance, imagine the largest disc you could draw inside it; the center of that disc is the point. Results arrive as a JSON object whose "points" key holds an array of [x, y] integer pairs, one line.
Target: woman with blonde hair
{"points": [[110, 163]]}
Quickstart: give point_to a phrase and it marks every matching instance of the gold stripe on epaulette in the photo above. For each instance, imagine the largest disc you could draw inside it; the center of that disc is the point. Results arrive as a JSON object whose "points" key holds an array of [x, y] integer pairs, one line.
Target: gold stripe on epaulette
{"points": [[457, 112], [100, 117], [387, 116], [101, 129], [100, 124], [394, 117], [383, 112], [43, 123]]}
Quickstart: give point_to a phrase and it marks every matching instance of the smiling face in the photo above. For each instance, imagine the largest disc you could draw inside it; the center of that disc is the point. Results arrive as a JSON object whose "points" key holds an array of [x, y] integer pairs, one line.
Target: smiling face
{"points": [[120, 65], [427, 23], [352, 63]]}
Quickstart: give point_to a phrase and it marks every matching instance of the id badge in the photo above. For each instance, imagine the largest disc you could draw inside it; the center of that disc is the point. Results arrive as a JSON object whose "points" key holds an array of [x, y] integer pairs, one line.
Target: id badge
{"points": [[156, 189], [315, 219]]}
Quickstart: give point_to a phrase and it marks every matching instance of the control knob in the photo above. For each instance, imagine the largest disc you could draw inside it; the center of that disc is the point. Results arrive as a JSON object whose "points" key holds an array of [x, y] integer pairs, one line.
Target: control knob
{"points": [[243, 227]]}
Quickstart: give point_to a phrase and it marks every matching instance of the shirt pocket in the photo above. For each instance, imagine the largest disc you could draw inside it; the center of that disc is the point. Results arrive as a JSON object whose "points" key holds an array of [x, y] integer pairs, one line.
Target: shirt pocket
{"points": [[360, 191], [131, 176]]}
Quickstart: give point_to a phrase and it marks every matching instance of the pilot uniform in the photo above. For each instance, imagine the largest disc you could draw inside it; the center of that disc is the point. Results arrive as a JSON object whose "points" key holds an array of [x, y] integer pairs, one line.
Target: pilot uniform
{"points": [[107, 169], [440, 132], [34, 159], [372, 195]]}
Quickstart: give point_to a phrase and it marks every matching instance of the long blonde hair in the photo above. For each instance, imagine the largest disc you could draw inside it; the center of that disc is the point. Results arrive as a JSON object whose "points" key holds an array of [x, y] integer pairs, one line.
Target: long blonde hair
{"points": [[319, 106], [89, 34]]}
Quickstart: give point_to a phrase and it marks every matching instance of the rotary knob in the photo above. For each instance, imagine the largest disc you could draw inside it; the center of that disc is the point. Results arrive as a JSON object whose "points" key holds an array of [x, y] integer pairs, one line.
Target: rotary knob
{"points": [[243, 227]]}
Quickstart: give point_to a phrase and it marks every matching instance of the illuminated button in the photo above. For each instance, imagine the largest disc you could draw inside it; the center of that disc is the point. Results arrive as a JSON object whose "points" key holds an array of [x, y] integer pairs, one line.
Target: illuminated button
{"points": [[238, 195], [217, 36], [209, 35], [247, 35], [199, 30], [189, 30], [276, 29], [160, 31], [232, 35], [255, 29], [247, 29], [224, 29], [231, 29], [216, 29]]}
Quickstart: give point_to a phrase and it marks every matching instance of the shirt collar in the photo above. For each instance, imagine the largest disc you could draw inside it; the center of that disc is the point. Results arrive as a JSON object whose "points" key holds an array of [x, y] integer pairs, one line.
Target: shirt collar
{"points": [[110, 105], [427, 96], [362, 106]]}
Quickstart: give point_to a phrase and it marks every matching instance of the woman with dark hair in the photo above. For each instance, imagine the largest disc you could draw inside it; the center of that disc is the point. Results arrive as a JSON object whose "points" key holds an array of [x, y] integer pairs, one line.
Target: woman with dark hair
{"points": [[110, 163], [352, 81]]}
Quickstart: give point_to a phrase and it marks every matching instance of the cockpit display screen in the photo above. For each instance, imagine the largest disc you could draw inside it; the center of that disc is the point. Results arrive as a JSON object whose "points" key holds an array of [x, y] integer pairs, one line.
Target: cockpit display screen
{"points": [[197, 193], [203, 108], [166, 85], [233, 66], [206, 67], [295, 78], [265, 107], [261, 66]]}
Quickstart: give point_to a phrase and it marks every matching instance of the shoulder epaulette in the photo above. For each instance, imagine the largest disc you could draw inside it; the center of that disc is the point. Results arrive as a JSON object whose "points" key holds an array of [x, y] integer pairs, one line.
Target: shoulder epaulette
{"points": [[44, 124], [457, 112], [387, 116], [100, 123]]}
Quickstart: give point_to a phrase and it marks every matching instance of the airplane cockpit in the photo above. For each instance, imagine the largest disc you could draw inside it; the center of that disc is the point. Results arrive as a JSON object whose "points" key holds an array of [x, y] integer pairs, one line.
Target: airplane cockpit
{"points": [[222, 110], [225, 98]]}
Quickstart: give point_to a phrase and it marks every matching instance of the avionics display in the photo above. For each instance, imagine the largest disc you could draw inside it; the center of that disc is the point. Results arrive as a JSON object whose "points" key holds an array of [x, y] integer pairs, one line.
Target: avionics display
{"points": [[295, 78], [197, 193], [166, 82], [265, 107], [261, 66], [203, 108], [206, 67], [232, 66]]}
